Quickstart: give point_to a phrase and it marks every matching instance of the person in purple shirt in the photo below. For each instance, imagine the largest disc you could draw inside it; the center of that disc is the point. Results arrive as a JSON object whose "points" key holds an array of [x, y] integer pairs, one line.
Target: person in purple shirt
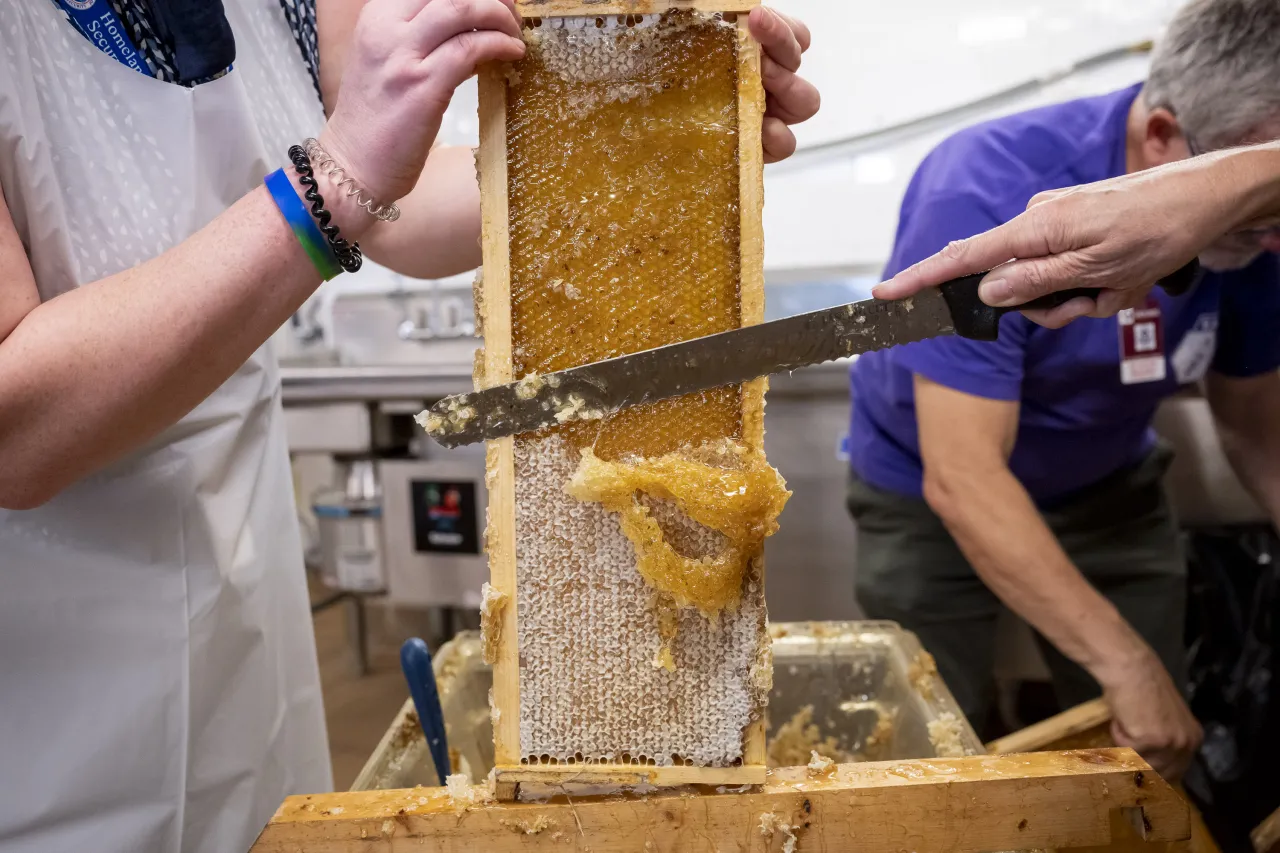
{"points": [[1025, 471]]}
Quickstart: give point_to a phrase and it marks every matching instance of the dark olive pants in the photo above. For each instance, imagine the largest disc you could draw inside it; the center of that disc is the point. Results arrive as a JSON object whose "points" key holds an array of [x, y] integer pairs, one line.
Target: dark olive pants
{"points": [[1121, 534]]}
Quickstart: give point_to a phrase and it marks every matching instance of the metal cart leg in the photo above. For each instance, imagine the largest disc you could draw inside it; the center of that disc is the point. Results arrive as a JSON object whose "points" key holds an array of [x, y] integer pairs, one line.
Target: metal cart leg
{"points": [[358, 633]]}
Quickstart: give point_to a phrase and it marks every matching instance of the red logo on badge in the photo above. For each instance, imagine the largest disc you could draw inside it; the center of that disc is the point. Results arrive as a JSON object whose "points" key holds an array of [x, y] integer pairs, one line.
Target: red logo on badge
{"points": [[1143, 334], [1142, 344]]}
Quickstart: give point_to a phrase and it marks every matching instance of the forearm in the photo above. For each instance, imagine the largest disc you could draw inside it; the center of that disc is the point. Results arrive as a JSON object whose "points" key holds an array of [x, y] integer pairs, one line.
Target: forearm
{"points": [[1257, 465], [1251, 441], [1002, 534], [438, 232], [1249, 179], [1121, 235], [94, 374], [1246, 412], [97, 372]]}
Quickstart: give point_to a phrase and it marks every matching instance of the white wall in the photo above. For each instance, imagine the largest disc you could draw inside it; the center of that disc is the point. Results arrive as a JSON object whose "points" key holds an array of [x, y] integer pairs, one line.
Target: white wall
{"points": [[884, 63], [889, 63]]}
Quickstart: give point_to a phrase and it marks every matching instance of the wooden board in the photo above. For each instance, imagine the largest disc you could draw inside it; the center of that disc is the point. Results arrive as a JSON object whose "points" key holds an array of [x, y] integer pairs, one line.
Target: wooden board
{"points": [[1088, 726], [631, 775], [1266, 837], [751, 105], [495, 310], [1082, 727], [1046, 801], [572, 8]]}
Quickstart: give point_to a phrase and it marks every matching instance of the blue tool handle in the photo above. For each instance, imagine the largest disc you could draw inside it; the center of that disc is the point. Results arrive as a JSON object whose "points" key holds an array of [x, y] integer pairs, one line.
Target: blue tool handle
{"points": [[415, 660]]}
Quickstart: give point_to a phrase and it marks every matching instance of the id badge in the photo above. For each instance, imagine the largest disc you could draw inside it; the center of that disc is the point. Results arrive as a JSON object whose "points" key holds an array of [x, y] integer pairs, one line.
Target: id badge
{"points": [[1193, 356], [1142, 344]]}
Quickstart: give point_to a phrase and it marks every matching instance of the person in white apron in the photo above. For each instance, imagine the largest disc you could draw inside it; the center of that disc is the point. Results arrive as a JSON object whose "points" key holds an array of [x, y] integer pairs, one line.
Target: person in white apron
{"points": [[158, 680]]}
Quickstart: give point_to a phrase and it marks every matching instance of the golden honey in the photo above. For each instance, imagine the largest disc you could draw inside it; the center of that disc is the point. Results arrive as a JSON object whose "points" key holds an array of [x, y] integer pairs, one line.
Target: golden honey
{"points": [[624, 229], [623, 226], [737, 494], [629, 245]]}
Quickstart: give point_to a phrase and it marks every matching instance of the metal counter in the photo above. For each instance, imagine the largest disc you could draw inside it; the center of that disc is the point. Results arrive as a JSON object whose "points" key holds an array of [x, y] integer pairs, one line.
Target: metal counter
{"points": [[317, 385]]}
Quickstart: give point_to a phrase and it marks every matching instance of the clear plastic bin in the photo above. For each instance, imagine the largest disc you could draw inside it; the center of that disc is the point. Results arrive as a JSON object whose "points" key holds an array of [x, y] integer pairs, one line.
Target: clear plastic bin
{"points": [[855, 691], [870, 691]]}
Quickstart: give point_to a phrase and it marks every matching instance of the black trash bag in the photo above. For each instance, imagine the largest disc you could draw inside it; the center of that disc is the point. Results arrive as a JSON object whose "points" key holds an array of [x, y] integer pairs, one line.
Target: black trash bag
{"points": [[1233, 650]]}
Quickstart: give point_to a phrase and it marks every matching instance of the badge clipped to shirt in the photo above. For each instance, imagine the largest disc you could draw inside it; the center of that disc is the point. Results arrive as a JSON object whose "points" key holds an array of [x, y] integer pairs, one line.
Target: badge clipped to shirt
{"points": [[98, 22], [1193, 356], [1142, 344]]}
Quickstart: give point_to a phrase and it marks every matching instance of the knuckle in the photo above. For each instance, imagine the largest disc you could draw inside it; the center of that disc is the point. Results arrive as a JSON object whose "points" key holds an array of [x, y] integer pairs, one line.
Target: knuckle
{"points": [[779, 139], [955, 250], [465, 48], [1044, 224], [1040, 198], [370, 34], [401, 66], [1036, 281], [784, 146], [803, 36], [807, 98]]}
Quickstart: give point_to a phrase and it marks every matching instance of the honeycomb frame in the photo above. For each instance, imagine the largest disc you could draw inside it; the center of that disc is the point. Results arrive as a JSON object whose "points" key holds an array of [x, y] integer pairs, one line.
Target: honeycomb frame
{"points": [[495, 311]]}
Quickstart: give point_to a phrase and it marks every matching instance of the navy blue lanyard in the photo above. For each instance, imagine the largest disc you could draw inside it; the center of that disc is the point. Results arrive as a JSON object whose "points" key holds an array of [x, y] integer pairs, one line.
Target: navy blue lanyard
{"points": [[101, 26]]}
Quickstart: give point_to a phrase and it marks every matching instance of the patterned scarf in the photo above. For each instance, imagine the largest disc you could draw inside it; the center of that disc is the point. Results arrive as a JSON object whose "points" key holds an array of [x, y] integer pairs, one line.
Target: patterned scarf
{"points": [[152, 25]]}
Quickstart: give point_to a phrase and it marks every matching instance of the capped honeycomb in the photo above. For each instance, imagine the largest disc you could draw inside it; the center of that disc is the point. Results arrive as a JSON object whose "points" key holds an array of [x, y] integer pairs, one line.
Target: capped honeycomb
{"points": [[622, 165], [639, 595]]}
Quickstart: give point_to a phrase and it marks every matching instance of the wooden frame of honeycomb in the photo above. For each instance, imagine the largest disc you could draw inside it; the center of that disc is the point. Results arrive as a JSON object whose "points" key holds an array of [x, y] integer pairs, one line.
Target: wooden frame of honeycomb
{"points": [[498, 364]]}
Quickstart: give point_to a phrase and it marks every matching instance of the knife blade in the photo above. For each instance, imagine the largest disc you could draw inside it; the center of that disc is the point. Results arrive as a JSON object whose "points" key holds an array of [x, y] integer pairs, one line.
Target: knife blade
{"points": [[594, 391]]}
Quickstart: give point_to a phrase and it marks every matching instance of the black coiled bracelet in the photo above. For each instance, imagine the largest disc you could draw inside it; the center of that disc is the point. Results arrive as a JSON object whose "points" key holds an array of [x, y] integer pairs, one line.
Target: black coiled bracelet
{"points": [[348, 255]]}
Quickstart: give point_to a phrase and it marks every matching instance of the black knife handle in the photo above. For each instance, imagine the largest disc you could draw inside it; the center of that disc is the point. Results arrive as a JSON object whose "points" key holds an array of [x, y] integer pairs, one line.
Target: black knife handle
{"points": [[1181, 281], [1058, 297], [976, 320]]}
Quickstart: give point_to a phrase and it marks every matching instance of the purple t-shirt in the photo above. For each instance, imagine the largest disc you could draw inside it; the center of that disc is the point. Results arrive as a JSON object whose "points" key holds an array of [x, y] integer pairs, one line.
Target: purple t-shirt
{"points": [[1078, 421]]}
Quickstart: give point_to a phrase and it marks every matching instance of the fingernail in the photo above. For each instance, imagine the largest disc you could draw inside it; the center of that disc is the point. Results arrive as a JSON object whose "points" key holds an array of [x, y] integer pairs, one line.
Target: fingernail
{"points": [[995, 292], [877, 290]]}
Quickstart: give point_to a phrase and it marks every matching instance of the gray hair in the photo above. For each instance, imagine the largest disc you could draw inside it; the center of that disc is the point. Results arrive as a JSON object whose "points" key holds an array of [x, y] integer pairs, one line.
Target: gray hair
{"points": [[1217, 68]]}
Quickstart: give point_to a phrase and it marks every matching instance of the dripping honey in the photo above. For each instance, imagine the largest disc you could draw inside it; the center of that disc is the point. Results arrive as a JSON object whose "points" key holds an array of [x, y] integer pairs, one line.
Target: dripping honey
{"points": [[731, 490]]}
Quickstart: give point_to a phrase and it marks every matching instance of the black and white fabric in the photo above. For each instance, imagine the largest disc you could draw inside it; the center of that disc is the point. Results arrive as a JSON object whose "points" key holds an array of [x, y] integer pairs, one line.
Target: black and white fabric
{"points": [[171, 39], [301, 15], [158, 54]]}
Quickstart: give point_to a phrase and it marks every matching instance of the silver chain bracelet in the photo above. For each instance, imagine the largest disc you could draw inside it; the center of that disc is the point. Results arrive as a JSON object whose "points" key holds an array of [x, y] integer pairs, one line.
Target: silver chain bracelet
{"points": [[322, 162]]}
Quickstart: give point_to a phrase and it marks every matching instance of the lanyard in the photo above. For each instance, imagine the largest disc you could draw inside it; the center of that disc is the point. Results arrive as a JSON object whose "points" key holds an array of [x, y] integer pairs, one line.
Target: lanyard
{"points": [[100, 25]]}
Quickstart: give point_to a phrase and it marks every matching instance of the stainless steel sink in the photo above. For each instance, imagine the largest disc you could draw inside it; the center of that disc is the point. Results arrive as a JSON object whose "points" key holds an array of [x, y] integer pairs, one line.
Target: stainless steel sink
{"points": [[414, 343]]}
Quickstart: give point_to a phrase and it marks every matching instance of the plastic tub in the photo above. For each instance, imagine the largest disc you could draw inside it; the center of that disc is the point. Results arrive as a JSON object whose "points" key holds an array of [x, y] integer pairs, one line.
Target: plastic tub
{"points": [[853, 691]]}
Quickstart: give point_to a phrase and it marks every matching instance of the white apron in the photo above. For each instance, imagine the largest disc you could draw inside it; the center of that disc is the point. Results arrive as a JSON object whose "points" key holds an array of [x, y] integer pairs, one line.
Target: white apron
{"points": [[158, 679]]}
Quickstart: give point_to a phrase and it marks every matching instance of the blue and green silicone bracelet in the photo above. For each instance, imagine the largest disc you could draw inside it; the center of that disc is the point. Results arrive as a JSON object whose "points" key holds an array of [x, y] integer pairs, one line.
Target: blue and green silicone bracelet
{"points": [[304, 226]]}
